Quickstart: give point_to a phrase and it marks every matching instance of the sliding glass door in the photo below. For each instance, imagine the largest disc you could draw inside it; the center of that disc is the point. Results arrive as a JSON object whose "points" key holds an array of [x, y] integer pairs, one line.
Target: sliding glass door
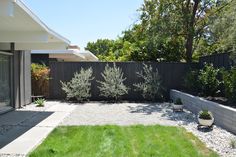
{"points": [[5, 81]]}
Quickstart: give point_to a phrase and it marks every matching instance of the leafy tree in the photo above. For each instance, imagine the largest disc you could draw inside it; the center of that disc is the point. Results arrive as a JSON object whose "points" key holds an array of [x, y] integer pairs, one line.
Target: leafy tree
{"points": [[180, 22], [110, 50], [100, 47], [224, 28]]}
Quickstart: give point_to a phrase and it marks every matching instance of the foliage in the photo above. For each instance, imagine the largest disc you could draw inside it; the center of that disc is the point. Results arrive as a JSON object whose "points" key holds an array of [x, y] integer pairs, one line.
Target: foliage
{"points": [[185, 21], [100, 47], [229, 81], [191, 82], [150, 46], [40, 102], [178, 102], [80, 85], [40, 79], [232, 143], [113, 84], [122, 141], [208, 80], [205, 114], [223, 28], [110, 50], [151, 87]]}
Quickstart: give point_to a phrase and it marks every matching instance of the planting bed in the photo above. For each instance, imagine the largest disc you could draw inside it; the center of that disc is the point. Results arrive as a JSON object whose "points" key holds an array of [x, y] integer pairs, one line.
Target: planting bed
{"points": [[224, 116]]}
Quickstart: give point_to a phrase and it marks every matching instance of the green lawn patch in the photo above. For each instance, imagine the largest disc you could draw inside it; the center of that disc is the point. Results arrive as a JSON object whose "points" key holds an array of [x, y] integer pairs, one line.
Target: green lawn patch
{"points": [[117, 141]]}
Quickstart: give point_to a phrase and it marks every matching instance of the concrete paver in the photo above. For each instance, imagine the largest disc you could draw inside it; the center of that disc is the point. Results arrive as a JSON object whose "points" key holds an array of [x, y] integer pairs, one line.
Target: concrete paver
{"points": [[26, 142], [23, 130]]}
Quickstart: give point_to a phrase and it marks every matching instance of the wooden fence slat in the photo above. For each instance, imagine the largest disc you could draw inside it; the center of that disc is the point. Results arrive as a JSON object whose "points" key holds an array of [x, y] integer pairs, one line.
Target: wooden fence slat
{"points": [[221, 60]]}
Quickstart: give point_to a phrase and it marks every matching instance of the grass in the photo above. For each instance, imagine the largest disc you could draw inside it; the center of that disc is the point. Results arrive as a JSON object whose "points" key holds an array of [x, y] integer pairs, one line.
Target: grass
{"points": [[116, 141]]}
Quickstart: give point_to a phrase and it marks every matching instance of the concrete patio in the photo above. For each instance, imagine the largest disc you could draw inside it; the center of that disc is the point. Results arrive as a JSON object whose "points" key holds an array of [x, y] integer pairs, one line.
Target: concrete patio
{"points": [[24, 129]]}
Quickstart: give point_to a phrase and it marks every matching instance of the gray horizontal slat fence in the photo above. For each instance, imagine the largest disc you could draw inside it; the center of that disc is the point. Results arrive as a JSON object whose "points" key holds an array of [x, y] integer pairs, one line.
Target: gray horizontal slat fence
{"points": [[221, 60], [172, 75]]}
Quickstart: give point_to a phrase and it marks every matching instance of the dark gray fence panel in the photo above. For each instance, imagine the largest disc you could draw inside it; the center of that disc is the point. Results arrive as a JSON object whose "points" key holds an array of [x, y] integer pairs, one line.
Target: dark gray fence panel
{"points": [[172, 75], [221, 60]]}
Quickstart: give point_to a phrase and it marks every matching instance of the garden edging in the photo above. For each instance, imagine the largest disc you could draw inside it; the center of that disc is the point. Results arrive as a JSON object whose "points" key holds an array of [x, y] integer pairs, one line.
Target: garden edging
{"points": [[225, 117]]}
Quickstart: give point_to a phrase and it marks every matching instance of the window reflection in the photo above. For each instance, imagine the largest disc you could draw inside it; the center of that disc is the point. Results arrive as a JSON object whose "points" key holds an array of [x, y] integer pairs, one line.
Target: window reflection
{"points": [[5, 80]]}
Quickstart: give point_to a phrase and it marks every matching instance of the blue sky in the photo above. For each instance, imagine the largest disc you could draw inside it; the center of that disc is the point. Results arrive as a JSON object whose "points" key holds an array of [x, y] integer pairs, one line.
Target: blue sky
{"points": [[86, 20]]}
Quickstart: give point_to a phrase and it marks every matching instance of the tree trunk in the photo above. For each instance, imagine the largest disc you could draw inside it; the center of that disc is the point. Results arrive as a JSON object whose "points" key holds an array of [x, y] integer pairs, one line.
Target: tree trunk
{"points": [[189, 48], [191, 32]]}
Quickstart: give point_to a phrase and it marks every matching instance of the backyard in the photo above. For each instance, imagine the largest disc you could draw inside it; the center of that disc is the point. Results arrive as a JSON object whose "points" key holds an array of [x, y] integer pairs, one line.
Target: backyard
{"points": [[131, 109], [132, 129], [164, 87]]}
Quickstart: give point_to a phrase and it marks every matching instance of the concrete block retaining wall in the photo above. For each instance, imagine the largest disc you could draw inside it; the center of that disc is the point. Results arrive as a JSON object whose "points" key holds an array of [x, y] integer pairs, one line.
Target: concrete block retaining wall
{"points": [[225, 117]]}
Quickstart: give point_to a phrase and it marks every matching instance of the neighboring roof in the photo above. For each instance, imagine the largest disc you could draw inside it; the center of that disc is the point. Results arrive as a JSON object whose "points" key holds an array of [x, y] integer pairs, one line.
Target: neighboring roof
{"points": [[89, 55], [52, 51], [21, 26], [74, 47], [70, 53]]}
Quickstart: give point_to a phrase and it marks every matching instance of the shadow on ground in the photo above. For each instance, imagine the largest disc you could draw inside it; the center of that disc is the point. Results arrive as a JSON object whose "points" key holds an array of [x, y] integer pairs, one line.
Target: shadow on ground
{"points": [[146, 108], [165, 110], [16, 123]]}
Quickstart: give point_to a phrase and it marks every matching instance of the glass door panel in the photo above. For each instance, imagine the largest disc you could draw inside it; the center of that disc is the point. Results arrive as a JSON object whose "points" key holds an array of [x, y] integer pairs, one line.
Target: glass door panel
{"points": [[5, 81]]}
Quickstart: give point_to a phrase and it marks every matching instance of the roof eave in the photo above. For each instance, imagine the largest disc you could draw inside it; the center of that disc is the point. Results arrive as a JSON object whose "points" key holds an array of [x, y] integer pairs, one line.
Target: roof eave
{"points": [[42, 24]]}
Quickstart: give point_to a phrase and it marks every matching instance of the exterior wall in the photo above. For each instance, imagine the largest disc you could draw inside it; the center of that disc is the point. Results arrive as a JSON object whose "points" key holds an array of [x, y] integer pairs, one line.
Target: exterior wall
{"points": [[224, 116]]}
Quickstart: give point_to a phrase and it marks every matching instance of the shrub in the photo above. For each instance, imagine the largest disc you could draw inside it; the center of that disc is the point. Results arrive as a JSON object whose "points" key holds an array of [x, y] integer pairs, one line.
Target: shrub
{"points": [[178, 102], [229, 81], [40, 102], [113, 84], [191, 82], [40, 79], [151, 87], [205, 114], [80, 85], [208, 80], [232, 143]]}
